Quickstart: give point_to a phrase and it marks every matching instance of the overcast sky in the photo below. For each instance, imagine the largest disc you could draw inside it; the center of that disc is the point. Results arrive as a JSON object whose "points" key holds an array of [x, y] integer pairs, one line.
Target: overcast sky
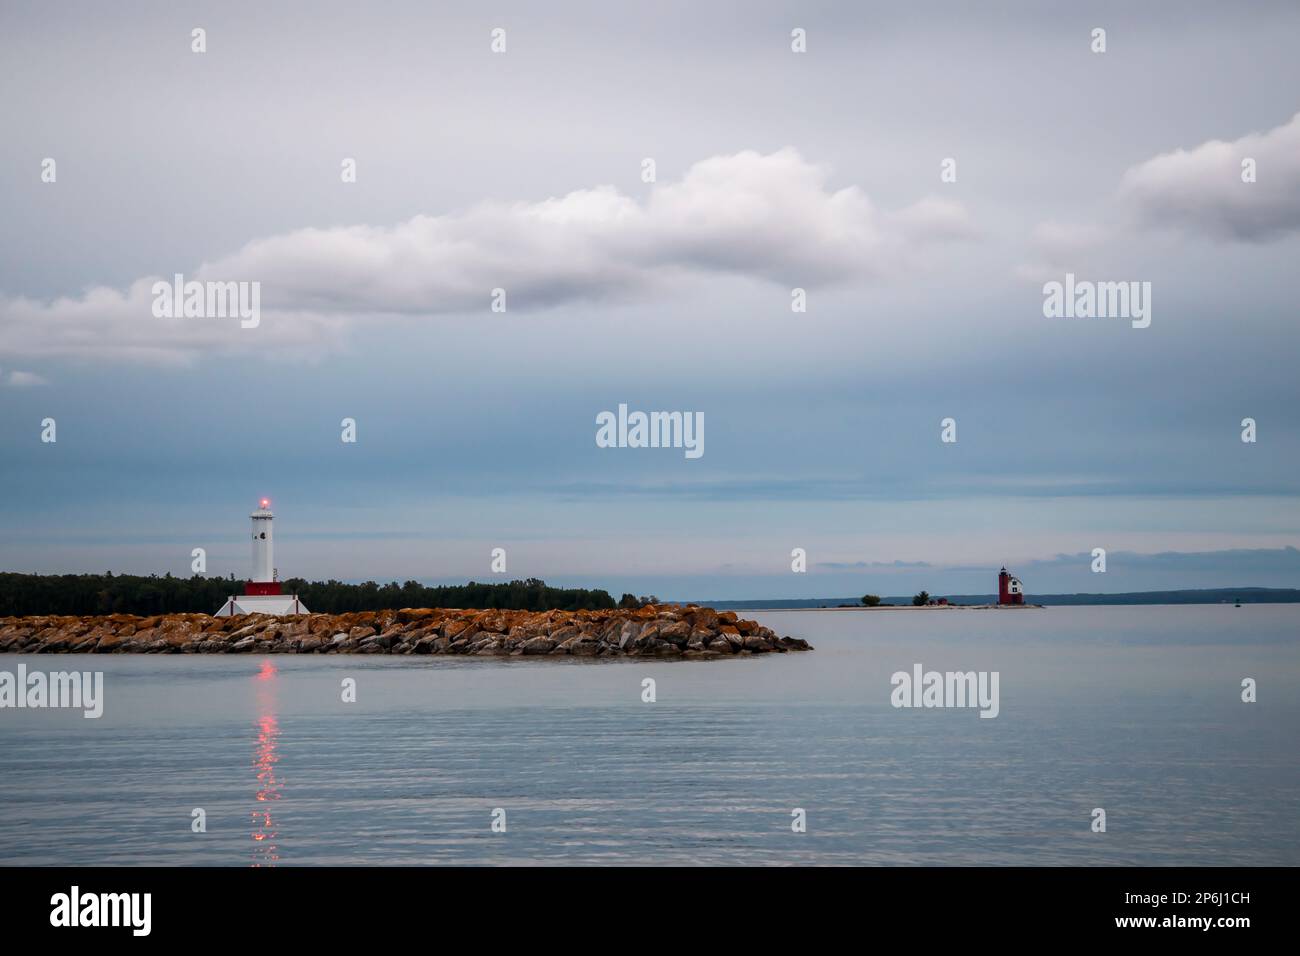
{"points": [[775, 170]]}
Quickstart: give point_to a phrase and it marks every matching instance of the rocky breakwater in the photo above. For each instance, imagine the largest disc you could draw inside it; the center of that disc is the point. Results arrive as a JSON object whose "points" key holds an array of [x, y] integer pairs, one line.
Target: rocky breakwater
{"points": [[650, 631]]}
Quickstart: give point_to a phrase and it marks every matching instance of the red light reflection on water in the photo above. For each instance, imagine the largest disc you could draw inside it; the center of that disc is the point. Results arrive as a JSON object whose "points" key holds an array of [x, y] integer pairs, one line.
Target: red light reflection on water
{"points": [[266, 850]]}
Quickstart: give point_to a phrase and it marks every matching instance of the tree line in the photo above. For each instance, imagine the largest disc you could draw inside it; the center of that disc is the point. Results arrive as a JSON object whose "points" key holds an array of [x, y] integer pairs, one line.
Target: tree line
{"points": [[23, 594], [918, 600]]}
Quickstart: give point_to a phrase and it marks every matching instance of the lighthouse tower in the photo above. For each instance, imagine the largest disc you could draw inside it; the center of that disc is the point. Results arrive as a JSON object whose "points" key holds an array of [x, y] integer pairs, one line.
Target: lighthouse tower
{"points": [[1010, 590], [263, 580], [262, 591]]}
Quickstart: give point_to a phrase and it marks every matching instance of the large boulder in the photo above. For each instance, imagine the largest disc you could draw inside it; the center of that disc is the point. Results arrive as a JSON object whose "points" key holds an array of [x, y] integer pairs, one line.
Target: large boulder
{"points": [[704, 617], [676, 632], [628, 633]]}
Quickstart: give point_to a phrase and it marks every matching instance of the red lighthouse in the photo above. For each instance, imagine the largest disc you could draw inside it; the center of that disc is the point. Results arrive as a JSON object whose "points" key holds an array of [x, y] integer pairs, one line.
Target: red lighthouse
{"points": [[1010, 590]]}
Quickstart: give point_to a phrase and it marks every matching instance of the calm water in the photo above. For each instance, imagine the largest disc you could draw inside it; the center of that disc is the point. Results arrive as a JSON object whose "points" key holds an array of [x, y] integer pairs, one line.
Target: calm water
{"points": [[1136, 710]]}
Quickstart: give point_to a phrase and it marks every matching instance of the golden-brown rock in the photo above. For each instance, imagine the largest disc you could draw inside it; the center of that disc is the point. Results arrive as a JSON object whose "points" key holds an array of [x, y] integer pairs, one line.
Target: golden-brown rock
{"points": [[664, 630]]}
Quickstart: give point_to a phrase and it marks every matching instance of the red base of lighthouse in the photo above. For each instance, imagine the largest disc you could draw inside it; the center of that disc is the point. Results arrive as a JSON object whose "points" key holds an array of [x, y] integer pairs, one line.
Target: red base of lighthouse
{"points": [[262, 587]]}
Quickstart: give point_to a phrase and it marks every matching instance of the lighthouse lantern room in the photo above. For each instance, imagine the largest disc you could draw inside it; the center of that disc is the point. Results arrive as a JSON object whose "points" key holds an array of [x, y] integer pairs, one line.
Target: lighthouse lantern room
{"points": [[262, 591]]}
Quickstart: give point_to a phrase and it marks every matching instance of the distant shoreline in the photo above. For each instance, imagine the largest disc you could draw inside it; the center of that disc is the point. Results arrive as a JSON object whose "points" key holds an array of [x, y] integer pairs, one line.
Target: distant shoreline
{"points": [[1244, 595], [908, 607]]}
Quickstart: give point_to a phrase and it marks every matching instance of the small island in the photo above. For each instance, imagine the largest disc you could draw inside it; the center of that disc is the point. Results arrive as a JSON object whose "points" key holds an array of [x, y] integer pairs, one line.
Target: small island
{"points": [[923, 601], [661, 631], [1011, 594]]}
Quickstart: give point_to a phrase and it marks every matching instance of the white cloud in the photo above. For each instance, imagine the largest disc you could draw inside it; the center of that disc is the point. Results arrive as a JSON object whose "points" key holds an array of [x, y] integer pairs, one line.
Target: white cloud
{"points": [[1201, 189], [20, 379], [107, 323], [770, 217], [932, 219], [1059, 247]]}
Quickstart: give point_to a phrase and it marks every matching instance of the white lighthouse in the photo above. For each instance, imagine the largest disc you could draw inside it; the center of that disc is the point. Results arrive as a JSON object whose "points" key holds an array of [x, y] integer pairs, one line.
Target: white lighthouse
{"points": [[262, 591], [263, 565]]}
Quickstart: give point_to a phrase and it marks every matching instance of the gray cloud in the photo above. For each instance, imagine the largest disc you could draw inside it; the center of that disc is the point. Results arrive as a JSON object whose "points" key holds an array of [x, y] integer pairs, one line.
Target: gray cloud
{"points": [[771, 217], [1201, 189], [768, 216]]}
